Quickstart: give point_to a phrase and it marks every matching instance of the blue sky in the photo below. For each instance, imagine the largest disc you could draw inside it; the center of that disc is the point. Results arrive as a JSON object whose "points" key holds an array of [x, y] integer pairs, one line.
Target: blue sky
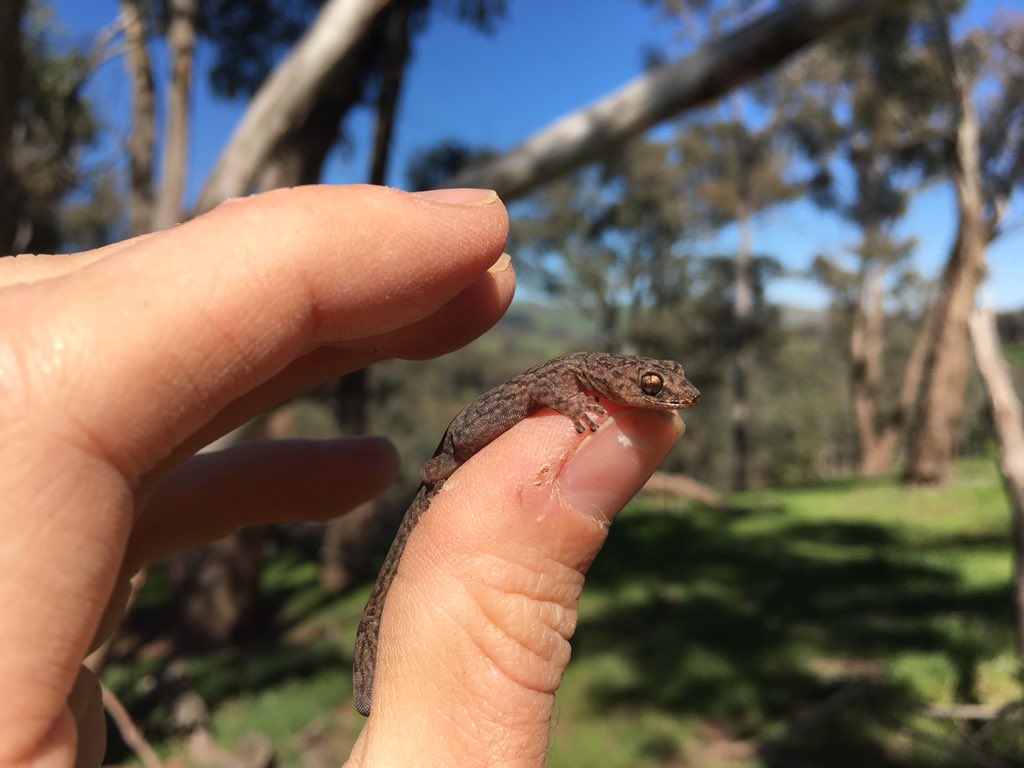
{"points": [[546, 59]]}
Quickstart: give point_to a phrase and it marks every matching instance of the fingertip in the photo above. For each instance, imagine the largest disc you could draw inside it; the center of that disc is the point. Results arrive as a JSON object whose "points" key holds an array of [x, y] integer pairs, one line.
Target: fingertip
{"points": [[458, 196], [260, 482], [610, 466]]}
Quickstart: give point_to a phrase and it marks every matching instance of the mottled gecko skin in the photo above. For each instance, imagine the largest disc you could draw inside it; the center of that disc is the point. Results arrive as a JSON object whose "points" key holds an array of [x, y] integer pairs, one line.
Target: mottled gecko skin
{"points": [[560, 384]]}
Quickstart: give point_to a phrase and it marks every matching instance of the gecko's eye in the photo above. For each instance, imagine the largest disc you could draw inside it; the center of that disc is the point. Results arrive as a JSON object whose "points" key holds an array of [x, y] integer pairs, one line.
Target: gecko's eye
{"points": [[651, 384]]}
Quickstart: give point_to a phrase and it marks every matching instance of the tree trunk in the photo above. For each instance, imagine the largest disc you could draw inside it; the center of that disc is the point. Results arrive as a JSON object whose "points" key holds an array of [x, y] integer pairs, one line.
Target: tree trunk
{"points": [[217, 588], [866, 372], [396, 34], [140, 146], [300, 157], [890, 438], [713, 70], [182, 39], [933, 444], [743, 305], [1006, 415], [345, 555], [282, 104], [11, 12]]}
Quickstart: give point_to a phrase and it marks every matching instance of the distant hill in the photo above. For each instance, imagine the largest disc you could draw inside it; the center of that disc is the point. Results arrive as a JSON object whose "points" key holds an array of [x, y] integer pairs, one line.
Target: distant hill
{"points": [[557, 322]]}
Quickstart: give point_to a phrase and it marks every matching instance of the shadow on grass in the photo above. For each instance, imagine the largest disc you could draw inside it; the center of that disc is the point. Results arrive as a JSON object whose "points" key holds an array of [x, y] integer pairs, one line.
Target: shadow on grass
{"points": [[265, 655], [753, 631]]}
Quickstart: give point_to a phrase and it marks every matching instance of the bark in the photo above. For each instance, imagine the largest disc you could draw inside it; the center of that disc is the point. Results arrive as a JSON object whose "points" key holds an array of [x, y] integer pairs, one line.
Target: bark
{"points": [[182, 40], [345, 555], [285, 100], [131, 734], [300, 157], [217, 588], [889, 439], [743, 305], [1006, 415], [397, 40], [141, 143], [933, 444], [713, 70], [866, 372], [11, 12]]}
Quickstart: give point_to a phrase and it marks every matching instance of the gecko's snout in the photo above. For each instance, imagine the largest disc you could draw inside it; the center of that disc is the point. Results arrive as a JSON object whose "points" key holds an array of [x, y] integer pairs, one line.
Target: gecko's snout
{"points": [[692, 396]]}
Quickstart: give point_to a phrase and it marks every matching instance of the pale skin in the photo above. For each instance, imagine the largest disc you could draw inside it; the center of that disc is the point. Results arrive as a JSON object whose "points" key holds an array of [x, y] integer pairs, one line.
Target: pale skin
{"points": [[117, 364]]}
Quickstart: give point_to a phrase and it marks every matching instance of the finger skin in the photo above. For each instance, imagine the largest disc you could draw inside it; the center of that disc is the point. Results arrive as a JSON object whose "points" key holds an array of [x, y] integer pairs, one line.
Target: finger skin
{"points": [[106, 369], [215, 494], [192, 318], [475, 634], [451, 327]]}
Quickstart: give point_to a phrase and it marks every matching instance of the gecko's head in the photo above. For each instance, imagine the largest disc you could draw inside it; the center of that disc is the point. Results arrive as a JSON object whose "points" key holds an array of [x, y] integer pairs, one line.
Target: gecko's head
{"points": [[645, 383]]}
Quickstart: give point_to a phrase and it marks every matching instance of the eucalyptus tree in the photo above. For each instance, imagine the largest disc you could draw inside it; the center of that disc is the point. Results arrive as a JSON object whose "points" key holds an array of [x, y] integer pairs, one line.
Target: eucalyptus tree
{"points": [[47, 128], [735, 171], [861, 137], [982, 154]]}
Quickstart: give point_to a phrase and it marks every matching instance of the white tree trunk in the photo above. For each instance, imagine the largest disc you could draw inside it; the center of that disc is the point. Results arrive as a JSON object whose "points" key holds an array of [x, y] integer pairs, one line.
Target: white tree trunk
{"points": [[1006, 414], [713, 70], [143, 138], [287, 95], [182, 37]]}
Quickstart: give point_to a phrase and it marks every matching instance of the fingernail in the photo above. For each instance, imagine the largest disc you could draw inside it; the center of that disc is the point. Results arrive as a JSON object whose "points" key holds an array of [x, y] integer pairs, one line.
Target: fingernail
{"points": [[503, 263], [459, 196], [608, 468]]}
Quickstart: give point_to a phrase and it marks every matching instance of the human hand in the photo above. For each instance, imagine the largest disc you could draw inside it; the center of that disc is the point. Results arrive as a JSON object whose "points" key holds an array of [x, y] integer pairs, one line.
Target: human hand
{"points": [[474, 637], [117, 364]]}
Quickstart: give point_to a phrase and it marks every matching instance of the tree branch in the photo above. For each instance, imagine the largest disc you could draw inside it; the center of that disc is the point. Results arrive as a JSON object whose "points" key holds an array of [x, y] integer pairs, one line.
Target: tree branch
{"points": [[140, 146], [289, 93], [129, 730], [182, 38], [713, 70]]}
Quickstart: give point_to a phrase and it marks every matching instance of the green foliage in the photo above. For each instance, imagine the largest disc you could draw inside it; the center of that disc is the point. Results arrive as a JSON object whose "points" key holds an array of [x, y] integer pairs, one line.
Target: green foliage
{"points": [[63, 202], [733, 169], [805, 626], [800, 421], [413, 402], [432, 166], [249, 38], [607, 239]]}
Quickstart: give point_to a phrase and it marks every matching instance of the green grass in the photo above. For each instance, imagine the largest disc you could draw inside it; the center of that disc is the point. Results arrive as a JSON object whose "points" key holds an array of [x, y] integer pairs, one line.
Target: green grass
{"points": [[1015, 355], [745, 620], [806, 627]]}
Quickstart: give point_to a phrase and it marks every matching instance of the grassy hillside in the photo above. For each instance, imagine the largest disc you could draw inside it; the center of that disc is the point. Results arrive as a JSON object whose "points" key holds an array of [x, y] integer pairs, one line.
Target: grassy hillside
{"points": [[802, 627]]}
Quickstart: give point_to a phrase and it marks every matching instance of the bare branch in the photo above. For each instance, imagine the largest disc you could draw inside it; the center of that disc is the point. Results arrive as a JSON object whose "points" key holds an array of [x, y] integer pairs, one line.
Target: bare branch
{"points": [[141, 144], [288, 95], [1006, 413], [713, 70], [182, 38], [129, 730]]}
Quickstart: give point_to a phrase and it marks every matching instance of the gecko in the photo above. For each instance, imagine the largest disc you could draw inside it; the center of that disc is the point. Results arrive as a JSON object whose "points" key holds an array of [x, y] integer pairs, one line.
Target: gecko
{"points": [[561, 384]]}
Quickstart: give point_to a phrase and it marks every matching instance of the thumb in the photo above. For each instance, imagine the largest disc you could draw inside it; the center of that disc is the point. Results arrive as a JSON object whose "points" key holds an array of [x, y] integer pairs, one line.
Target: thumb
{"points": [[475, 634]]}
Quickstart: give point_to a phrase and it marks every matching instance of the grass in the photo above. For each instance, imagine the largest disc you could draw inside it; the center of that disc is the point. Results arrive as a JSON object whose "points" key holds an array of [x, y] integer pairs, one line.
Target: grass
{"points": [[802, 627], [742, 622]]}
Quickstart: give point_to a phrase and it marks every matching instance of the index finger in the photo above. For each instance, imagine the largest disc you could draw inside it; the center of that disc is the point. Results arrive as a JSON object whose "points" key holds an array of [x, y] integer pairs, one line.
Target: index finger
{"points": [[194, 317]]}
